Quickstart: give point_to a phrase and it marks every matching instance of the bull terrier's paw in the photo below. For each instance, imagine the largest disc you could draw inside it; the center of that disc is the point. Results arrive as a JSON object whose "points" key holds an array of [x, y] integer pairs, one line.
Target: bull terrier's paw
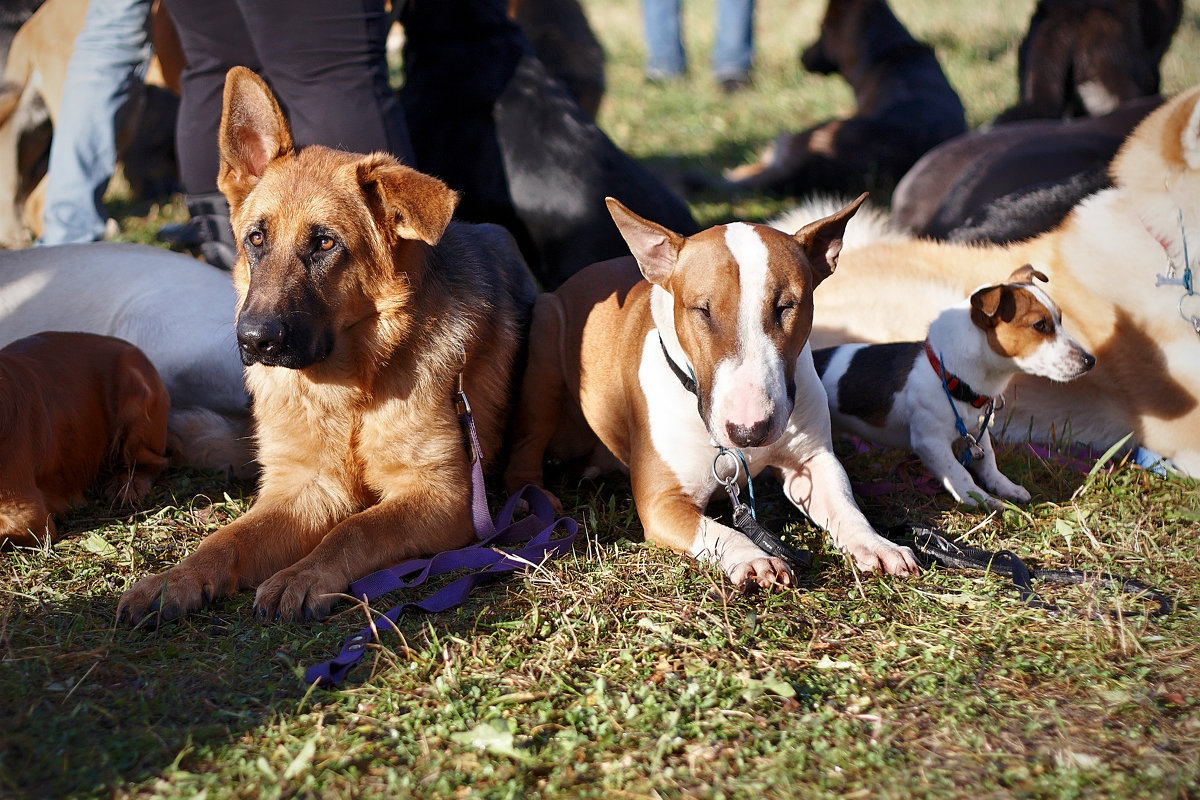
{"points": [[765, 573], [1014, 492], [889, 557], [169, 595], [298, 593]]}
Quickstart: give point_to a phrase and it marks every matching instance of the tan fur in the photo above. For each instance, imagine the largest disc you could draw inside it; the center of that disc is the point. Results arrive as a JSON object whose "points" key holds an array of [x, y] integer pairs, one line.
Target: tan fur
{"points": [[1102, 262], [363, 460]]}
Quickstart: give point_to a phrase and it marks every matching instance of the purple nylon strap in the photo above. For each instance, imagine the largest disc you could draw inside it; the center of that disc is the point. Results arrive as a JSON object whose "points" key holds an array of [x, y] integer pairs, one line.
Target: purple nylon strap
{"points": [[501, 546]]}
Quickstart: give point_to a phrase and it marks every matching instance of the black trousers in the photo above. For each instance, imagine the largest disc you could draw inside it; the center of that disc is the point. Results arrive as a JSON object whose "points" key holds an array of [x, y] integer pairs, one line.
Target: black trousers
{"points": [[324, 59]]}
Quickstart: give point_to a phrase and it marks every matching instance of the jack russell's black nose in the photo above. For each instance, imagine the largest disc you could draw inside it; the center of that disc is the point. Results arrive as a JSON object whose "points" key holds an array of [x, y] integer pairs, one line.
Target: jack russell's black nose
{"points": [[1089, 361]]}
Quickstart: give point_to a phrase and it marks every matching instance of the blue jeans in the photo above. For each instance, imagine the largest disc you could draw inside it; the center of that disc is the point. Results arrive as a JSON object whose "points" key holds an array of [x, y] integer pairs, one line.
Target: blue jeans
{"points": [[106, 68], [733, 49]]}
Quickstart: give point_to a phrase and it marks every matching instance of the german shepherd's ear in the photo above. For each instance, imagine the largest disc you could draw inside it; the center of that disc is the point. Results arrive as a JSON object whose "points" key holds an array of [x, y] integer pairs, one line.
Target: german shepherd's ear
{"points": [[407, 204], [655, 248], [253, 133], [822, 239]]}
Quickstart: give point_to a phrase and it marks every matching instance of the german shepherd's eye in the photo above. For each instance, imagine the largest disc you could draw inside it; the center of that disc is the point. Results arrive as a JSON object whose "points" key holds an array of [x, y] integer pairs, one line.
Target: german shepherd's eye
{"points": [[255, 238], [325, 243]]}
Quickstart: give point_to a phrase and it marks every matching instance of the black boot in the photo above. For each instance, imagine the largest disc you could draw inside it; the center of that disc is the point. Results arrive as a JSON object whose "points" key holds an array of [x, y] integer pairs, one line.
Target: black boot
{"points": [[208, 230], [210, 213]]}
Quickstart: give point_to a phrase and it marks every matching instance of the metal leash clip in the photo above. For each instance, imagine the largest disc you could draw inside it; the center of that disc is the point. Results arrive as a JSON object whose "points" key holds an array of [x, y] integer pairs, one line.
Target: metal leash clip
{"points": [[745, 519]]}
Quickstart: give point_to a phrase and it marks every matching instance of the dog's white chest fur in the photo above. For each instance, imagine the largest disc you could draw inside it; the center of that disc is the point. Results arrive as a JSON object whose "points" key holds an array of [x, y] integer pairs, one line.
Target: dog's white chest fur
{"points": [[683, 442]]}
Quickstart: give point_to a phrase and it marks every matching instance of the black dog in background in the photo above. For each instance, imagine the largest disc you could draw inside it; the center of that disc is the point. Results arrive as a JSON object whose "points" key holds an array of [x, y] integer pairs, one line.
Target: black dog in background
{"points": [[906, 106], [1086, 57], [486, 117]]}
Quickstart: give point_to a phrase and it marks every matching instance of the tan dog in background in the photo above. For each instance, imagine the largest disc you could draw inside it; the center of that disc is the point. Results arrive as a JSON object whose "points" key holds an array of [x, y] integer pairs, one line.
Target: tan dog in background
{"points": [[361, 306]]}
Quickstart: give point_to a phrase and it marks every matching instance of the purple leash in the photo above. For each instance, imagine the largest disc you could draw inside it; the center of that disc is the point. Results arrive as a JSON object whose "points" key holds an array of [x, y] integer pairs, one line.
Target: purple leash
{"points": [[501, 546]]}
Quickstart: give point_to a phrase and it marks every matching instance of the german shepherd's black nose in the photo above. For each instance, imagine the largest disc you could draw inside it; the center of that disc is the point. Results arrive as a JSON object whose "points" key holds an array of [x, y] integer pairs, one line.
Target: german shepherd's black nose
{"points": [[261, 339], [290, 341]]}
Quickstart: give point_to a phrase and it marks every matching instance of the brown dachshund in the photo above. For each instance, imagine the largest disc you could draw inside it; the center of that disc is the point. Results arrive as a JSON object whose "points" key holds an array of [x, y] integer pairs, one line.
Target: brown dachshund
{"points": [[70, 403]]}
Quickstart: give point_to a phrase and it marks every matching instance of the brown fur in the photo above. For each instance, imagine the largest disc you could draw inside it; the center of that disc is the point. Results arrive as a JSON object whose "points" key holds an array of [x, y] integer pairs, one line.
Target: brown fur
{"points": [[69, 404], [360, 305]]}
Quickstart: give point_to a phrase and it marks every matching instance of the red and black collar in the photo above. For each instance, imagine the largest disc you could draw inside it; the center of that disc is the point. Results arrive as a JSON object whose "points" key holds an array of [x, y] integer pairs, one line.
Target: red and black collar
{"points": [[957, 388]]}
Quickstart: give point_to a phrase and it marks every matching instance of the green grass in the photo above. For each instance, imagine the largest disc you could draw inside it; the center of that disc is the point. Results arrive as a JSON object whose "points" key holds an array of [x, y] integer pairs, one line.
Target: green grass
{"points": [[625, 670]]}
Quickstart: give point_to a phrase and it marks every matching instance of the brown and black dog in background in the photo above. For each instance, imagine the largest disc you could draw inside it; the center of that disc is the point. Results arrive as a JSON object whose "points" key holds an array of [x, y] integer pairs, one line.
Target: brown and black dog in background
{"points": [[906, 106], [72, 404], [360, 308], [1086, 57]]}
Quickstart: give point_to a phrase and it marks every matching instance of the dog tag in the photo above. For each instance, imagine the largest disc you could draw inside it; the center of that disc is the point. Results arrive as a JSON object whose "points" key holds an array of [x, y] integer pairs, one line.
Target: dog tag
{"points": [[966, 444]]}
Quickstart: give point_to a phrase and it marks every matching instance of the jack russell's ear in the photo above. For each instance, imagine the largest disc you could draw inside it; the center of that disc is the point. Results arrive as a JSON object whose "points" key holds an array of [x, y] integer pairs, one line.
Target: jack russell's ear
{"points": [[407, 204], [253, 133], [1026, 274], [656, 248], [985, 305], [822, 239]]}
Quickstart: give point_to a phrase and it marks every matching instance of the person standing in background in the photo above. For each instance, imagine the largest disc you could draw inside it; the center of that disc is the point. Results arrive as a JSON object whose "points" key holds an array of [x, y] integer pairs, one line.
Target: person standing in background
{"points": [[733, 47]]}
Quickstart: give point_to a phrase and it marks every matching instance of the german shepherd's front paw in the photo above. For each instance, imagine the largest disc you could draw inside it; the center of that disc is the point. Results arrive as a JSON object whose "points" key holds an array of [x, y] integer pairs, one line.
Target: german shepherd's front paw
{"points": [[298, 593], [169, 595], [766, 573]]}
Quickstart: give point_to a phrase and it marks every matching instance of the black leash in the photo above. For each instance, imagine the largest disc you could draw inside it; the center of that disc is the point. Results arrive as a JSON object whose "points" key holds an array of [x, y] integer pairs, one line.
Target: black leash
{"points": [[933, 547]]}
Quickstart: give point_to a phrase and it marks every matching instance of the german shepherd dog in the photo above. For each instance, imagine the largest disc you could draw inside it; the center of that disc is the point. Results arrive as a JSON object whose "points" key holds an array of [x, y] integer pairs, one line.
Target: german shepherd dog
{"points": [[905, 107], [360, 307]]}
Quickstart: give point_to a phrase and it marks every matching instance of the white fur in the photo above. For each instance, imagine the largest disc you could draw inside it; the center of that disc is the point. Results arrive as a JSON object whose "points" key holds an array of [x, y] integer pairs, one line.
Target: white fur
{"points": [[178, 310], [749, 386], [870, 224]]}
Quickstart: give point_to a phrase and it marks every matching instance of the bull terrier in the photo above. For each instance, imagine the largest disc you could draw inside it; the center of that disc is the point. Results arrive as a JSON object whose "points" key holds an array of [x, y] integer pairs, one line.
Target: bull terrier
{"points": [[683, 360]]}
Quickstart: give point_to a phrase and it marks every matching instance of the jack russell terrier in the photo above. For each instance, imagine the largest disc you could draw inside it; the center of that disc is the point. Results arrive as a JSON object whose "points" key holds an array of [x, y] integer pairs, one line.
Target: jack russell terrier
{"points": [[707, 355], [937, 397]]}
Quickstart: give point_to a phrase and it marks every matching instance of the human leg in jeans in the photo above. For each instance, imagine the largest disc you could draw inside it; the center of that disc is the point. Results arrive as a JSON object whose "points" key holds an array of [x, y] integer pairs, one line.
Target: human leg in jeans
{"points": [[106, 70], [664, 39], [733, 50]]}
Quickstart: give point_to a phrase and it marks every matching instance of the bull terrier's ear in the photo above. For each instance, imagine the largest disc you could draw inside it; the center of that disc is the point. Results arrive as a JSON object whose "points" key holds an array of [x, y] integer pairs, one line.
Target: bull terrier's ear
{"points": [[407, 204], [822, 240], [1026, 274], [985, 306], [253, 133], [655, 248]]}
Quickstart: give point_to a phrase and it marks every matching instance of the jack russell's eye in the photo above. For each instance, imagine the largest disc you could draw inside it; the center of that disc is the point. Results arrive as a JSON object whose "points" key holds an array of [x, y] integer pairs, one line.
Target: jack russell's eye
{"points": [[702, 311], [1043, 325]]}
